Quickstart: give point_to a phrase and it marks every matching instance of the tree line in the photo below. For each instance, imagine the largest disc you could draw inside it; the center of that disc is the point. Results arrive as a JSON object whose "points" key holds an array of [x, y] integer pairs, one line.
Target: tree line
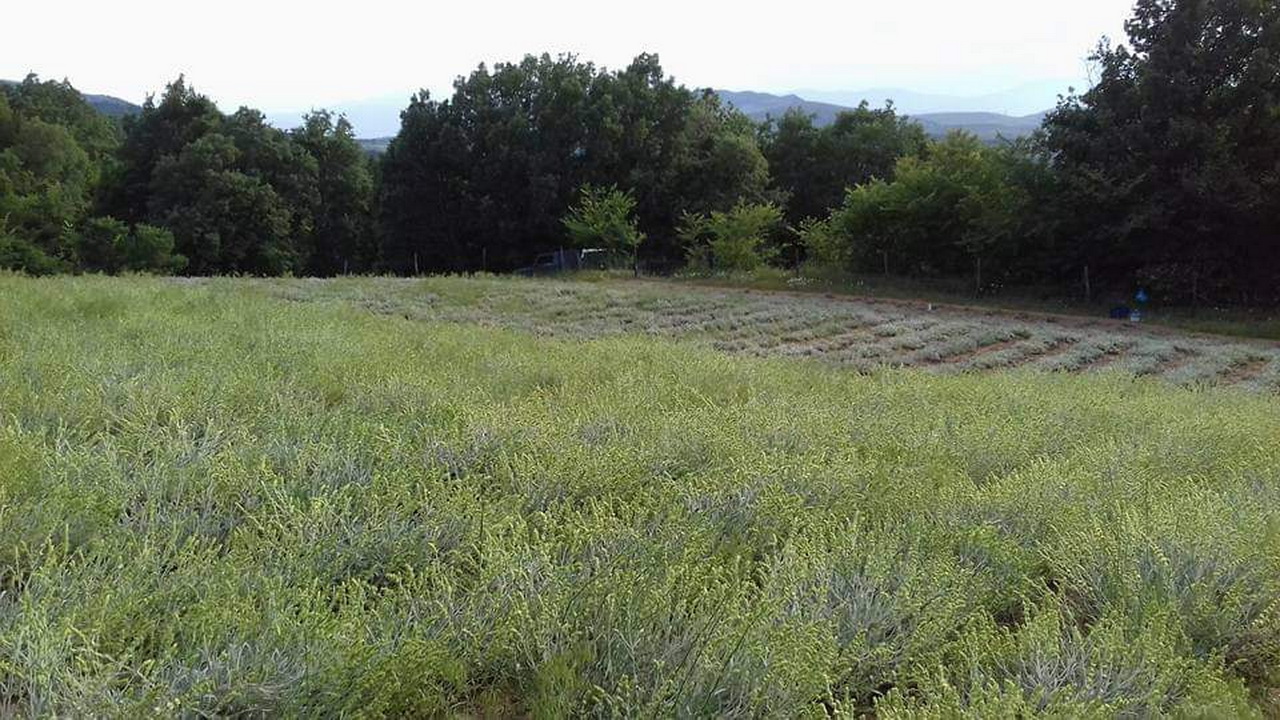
{"points": [[1163, 174], [179, 187]]}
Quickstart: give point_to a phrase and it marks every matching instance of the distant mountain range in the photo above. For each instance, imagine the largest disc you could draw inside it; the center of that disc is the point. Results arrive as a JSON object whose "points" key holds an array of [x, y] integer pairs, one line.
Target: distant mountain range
{"points": [[1011, 112], [1019, 101], [986, 125], [987, 116]]}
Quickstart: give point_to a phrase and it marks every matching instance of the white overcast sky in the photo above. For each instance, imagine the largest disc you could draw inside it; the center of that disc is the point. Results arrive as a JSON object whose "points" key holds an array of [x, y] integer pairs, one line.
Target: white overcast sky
{"points": [[284, 54]]}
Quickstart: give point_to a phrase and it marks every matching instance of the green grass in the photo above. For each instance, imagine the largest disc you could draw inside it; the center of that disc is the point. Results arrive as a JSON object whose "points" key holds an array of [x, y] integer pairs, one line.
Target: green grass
{"points": [[217, 501]]}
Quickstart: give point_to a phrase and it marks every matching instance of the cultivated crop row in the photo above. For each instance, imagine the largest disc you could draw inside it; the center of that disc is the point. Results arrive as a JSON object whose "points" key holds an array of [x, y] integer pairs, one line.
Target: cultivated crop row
{"points": [[860, 334]]}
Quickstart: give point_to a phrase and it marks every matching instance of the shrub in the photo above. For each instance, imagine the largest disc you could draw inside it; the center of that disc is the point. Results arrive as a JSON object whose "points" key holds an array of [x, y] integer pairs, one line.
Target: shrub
{"points": [[150, 248], [22, 255], [944, 214], [603, 218], [108, 245], [738, 240]]}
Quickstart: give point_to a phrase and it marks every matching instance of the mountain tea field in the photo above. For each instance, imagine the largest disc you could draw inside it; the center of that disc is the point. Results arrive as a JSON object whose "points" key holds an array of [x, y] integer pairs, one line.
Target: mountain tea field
{"points": [[510, 498]]}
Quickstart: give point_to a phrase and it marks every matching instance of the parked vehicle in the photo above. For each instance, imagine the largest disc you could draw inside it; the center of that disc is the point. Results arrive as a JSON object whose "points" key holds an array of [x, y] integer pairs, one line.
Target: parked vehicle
{"points": [[564, 260]]}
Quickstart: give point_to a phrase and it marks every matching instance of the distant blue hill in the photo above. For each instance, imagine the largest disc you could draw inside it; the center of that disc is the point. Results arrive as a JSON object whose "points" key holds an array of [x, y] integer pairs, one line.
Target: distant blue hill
{"points": [[986, 125], [377, 120], [112, 106]]}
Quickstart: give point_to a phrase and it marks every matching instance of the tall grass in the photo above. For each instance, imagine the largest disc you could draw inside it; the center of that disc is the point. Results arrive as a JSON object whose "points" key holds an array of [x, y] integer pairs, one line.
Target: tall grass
{"points": [[215, 502]]}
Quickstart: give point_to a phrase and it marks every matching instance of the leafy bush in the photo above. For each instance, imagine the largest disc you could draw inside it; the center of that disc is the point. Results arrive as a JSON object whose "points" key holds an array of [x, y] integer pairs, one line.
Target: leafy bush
{"points": [[604, 218], [19, 254], [108, 245], [824, 245], [150, 248], [741, 239], [938, 216]]}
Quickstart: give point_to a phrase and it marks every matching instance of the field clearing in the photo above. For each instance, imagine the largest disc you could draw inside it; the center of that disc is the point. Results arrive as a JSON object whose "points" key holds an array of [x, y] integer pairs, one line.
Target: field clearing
{"points": [[258, 498], [863, 335]]}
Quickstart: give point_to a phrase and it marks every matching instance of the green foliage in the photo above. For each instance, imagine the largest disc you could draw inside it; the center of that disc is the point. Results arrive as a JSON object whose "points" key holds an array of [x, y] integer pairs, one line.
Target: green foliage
{"points": [[161, 130], [1162, 175], [603, 219], [150, 249], [342, 238], [230, 192], [53, 146], [213, 502], [108, 245], [240, 196], [58, 103], [815, 166], [224, 220], [741, 239], [491, 171], [19, 254], [96, 244], [1169, 162], [721, 163], [823, 244], [963, 203]]}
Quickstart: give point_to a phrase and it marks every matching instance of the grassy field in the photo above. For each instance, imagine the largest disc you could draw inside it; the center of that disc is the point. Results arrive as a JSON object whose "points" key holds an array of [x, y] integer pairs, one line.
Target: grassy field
{"points": [[506, 498]]}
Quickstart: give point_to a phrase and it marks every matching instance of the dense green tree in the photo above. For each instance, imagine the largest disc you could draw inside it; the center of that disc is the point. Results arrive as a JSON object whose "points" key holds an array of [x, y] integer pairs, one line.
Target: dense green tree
{"points": [[815, 166], [1171, 163], [238, 195], [640, 132], [604, 218], [58, 103], [424, 192], [108, 245], [342, 235], [95, 243], [273, 157], [720, 163], [948, 213], [484, 177], [47, 178], [224, 220], [161, 130]]}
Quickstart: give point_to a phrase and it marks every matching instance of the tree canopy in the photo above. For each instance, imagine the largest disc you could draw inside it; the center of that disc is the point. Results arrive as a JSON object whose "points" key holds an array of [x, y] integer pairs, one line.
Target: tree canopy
{"points": [[1171, 163], [814, 166], [486, 175]]}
